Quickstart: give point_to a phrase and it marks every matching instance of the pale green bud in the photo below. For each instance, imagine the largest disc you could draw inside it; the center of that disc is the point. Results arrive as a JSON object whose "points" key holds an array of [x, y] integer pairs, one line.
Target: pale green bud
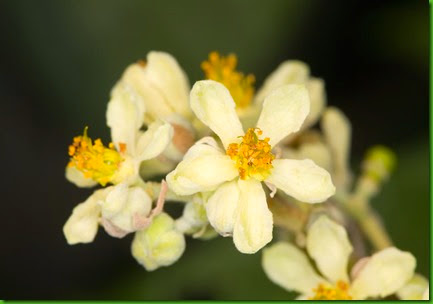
{"points": [[158, 245]]}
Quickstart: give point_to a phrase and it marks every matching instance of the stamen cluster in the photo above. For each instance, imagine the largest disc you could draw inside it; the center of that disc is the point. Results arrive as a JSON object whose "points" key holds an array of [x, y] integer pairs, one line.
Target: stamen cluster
{"points": [[338, 292]]}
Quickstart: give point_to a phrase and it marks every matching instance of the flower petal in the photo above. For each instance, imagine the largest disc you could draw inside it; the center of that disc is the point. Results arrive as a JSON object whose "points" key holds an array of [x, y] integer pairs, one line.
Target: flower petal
{"points": [[214, 106], [414, 289], [288, 72], [203, 168], [316, 91], [76, 177], [82, 225], [253, 227], [284, 110], [165, 74], [385, 273], [124, 117], [329, 246], [302, 179], [222, 206], [154, 141], [337, 130], [289, 267]]}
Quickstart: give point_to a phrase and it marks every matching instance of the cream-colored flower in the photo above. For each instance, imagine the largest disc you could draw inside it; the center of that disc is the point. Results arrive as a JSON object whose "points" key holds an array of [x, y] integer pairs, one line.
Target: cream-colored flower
{"points": [[158, 245], [416, 289], [238, 205], [328, 245]]}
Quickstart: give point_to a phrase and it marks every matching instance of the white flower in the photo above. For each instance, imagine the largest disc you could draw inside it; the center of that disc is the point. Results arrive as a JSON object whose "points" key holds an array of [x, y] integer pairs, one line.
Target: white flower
{"points": [[158, 245], [380, 275], [238, 205]]}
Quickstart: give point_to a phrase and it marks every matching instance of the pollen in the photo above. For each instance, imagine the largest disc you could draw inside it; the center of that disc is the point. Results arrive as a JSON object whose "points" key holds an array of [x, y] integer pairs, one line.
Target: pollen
{"points": [[223, 70], [253, 156], [96, 161], [338, 292]]}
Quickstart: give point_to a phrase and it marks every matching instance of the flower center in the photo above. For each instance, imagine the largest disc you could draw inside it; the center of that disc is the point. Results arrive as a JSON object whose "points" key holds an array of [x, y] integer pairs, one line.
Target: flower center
{"points": [[223, 69], [253, 156], [93, 159], [338, 292]]}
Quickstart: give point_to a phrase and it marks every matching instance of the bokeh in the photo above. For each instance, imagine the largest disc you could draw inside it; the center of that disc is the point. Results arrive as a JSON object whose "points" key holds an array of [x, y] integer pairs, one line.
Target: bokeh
{"points": [[59, 60]]}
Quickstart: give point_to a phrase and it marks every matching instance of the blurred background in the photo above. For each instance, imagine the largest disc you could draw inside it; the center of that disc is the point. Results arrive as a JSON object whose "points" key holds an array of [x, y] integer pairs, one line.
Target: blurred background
{"points": [[59, 60]]}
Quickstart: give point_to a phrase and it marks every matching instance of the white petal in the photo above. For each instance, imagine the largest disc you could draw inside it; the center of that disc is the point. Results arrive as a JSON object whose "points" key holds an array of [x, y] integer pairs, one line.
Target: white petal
{"points": [[76, 177], [337, 130], [414, 289], [426, 295], [124, 116], [214, 106], [253, 227], [302, 179], [316, 91], [158, 245], [221, 208], [284, 110], [82, 225], [154, 141], [329, 246], [124, 205], [385, 273], [164, 73], [203, 168], [288, 72], [289, 267], [194, 217]]}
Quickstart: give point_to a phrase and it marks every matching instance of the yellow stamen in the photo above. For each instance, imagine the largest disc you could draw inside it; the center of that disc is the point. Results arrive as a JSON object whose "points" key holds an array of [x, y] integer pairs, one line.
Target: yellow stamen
{"points": [[93, 159], [253, 156], [223, 69], [338, 292]]}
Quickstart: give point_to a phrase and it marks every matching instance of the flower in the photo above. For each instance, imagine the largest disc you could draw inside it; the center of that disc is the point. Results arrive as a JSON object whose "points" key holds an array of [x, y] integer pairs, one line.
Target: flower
{"points": [[416, 289], [328, 245], [238, 205], [158, 245]]}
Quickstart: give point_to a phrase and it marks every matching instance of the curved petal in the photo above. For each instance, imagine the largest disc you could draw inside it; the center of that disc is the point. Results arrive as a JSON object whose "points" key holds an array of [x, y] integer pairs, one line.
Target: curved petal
{"points": [[302, 179], [284, 110], [414, 289], [316, 91], [329, 246], [124, 117], [203, 168], [165, 74], [288, 72], [385, 273], [154, 141], [337, 130], [222, 206], [76, 177], [289, 267], [253, 227], [214, 106], [82, 225]]}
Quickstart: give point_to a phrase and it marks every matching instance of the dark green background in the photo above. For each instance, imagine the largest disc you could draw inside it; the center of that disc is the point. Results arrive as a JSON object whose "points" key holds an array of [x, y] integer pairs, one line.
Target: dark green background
{"points": [[59, 60]]}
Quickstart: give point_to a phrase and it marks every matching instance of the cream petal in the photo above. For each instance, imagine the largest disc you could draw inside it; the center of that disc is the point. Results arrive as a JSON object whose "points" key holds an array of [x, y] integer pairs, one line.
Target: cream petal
{"points": [[165, 74], [222, 206], [385, 273], [76, 177], [414, 289], [82, 225], [203, 168], [302, 179], [154, 141], [253, 227], [284, 110], [426, 295], [214, 106], [288, 72], [124, 116], [316, 91], [329, 246], [289, 267], [337, 130]]}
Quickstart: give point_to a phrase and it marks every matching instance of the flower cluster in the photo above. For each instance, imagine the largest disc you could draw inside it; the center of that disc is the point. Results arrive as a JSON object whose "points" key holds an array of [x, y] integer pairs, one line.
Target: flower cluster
{"points": [[247, 164]]}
